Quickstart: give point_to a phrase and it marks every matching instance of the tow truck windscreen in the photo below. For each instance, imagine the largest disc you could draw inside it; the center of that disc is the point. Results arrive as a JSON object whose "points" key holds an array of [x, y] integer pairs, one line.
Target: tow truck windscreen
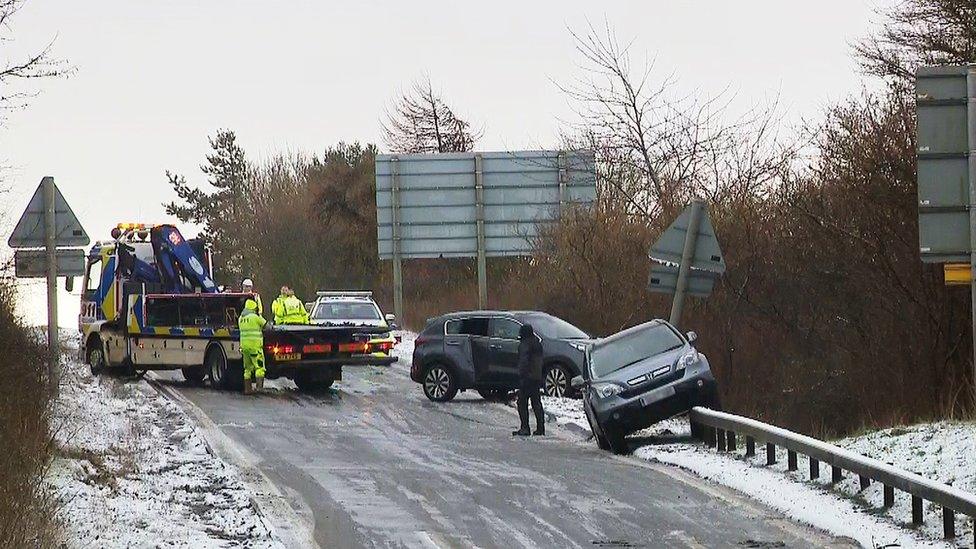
{"points": [[633, 348], [346, 310]]}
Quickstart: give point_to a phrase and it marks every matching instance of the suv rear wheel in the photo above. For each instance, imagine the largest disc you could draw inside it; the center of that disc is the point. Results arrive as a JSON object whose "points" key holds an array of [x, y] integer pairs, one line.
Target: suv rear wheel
{"points": [[439, 383]]}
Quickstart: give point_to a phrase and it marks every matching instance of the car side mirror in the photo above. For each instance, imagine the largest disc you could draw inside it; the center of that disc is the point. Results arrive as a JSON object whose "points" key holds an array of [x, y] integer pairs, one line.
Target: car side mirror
{"points": [[577, 382], [692, 336], [309, 306], [390, 317]]}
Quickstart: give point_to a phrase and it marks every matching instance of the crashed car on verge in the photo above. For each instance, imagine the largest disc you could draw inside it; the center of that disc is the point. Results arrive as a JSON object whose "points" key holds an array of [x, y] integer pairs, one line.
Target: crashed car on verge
{"points": [[640, 376]]}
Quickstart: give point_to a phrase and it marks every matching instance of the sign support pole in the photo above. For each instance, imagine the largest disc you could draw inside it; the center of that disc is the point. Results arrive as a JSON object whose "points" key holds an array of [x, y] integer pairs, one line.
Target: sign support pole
{"points": [[397, 255], [971, 123], [479, 191], [687, 255], [50, 229]]}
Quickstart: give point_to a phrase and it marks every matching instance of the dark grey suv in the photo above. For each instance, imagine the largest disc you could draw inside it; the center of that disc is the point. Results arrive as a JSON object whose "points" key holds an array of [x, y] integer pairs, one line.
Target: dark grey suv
{"points": [[479, 350], [640, 376]]}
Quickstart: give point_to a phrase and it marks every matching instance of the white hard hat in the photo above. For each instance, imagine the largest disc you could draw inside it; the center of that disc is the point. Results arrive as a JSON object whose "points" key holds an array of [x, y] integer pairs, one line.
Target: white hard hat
{"points": [[247, 282]]}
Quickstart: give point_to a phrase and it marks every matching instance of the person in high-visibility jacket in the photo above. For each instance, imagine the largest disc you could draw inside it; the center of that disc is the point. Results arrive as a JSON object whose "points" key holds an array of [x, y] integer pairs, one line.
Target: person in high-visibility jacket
{"points": [[288, 309], [252, 345], [248, 288]]}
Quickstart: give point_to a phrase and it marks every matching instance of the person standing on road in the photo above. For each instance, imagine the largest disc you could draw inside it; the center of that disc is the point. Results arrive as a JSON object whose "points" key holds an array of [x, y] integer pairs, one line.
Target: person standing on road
{"points": [[288, 309], [251, 325], [247, 287], [530, 381]]}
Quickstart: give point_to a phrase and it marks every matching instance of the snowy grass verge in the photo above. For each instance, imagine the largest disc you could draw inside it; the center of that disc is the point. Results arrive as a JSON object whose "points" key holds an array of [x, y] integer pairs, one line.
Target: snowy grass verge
{"points": [[841, 509], [132, 471]]}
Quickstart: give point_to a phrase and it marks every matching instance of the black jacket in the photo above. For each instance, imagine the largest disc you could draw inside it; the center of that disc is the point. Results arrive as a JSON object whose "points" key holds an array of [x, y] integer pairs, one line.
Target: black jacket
{"points": [[529, 355]]}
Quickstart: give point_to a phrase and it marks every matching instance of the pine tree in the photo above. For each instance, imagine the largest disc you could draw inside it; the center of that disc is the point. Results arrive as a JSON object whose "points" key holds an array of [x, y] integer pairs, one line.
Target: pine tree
{"points": [[421, 122], [221, 212]]}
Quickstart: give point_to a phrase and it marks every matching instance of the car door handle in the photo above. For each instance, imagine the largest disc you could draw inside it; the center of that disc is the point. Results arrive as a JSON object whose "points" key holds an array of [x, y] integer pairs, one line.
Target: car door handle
{"points": [[455, 343], [494, 346]]}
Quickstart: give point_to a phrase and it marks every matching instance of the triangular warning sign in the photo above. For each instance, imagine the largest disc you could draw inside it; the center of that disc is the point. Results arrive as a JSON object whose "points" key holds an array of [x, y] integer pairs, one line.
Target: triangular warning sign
{"points": [[708, 254], [30, 233]]}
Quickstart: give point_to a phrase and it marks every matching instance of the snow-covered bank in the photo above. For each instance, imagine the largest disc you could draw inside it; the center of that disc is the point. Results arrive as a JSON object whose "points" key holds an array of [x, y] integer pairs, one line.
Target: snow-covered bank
{"points": [[840, 510], [134, 472]]}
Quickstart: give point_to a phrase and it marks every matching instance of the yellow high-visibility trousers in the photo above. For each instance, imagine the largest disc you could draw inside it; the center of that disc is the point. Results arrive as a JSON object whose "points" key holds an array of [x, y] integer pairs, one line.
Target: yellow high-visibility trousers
{"points": [[253, 364]]}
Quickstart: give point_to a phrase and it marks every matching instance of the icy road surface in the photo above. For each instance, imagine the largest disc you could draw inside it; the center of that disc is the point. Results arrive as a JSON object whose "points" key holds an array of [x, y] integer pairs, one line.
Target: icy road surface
{"points": [[375, 464]]}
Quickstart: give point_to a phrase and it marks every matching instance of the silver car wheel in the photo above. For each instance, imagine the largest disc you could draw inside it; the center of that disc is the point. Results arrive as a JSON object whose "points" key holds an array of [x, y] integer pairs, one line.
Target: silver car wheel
{"points": [[556, 382], [436, 382]]}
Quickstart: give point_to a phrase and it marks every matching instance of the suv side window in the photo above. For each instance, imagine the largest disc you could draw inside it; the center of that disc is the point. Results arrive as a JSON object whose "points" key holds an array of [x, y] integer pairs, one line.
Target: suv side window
{"points": [[504, 328], [468, 326]]}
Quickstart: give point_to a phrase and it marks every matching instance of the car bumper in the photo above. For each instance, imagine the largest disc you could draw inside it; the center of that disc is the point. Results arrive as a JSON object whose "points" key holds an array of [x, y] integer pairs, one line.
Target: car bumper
{"points": [[626, 415]]}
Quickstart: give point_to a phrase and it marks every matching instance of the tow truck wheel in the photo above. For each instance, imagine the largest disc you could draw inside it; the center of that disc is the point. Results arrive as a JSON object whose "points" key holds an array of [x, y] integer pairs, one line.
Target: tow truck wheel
{"points": [[195, 374], [96, 358], [309, 384], [224, 374]]}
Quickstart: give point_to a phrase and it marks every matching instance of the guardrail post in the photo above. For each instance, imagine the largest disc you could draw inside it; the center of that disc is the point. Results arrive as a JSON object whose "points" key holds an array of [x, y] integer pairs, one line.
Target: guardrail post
{"points": [[770, 453], [889, 496], [710, 436], [750, 446], [814, 469], [865, 482], [791, 461], [948, 523], [917, 518], [730, 445], [837, 474], [720, 434]]}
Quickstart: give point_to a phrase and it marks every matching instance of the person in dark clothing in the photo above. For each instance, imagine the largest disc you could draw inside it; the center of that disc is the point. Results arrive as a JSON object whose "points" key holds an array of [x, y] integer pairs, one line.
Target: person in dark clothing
{"points": [[530, 381]]}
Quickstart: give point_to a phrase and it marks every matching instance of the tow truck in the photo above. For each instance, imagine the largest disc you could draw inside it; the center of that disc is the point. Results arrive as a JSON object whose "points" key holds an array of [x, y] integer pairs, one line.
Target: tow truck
{"points": [[149, 302]]}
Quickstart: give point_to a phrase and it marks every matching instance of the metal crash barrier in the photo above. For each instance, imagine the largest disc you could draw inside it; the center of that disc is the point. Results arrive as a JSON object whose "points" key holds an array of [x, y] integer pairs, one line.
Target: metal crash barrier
{"points": [[720, 430]]}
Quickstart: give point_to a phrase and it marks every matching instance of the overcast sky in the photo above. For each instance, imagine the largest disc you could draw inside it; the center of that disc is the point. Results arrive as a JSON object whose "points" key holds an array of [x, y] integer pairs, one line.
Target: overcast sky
{"points": [[154, 79]]}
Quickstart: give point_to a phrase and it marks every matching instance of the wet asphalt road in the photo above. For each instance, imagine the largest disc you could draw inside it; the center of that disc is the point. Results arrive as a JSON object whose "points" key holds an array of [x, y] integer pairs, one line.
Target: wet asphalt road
{"points": [[373, 463]]}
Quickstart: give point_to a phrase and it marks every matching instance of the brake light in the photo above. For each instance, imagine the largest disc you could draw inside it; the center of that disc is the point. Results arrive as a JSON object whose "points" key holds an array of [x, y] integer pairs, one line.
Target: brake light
{"points": [[421, 340], [276, 349], [354, 348]]}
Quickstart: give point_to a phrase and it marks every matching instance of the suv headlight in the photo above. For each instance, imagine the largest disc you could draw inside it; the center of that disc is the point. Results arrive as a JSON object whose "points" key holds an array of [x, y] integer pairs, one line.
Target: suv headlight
{"points": [[607, 390], [688, 359]]}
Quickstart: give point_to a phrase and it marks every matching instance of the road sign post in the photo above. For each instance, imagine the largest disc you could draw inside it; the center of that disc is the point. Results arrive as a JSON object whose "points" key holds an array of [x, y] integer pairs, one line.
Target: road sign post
{"points": [[686, 259], [47, 223], [52, 275], [684, 268], [971, 132]]}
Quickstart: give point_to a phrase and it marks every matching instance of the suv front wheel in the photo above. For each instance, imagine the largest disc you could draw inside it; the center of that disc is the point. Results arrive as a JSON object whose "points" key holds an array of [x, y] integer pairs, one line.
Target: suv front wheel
{"points": [[440, 384]]}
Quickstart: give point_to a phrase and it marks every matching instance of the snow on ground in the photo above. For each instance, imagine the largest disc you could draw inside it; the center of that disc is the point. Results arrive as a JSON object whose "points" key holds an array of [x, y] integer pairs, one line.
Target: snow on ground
{"points": [[404, 349], [942, 451], [840, 510], [134, 472]]}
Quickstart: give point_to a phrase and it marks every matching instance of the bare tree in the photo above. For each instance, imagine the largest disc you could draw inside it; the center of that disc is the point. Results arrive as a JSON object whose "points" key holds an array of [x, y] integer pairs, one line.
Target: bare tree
{"points": [[920, 32], [421, 122], [658, 147], [15, 72]]}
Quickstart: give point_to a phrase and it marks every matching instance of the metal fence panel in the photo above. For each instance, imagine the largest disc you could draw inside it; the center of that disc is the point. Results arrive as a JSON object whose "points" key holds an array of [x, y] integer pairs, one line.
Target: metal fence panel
{"points": [[437, 202]]}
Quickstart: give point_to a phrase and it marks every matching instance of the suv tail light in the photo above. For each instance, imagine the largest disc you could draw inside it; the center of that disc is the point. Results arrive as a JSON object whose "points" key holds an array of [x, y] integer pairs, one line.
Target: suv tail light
{"points": [[421, 340]]}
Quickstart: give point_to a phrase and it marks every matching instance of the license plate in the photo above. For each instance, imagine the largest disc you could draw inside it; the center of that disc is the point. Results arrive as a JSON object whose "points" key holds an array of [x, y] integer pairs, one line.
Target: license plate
{"points": [[317, 348], [289, 356], [657, 395]]}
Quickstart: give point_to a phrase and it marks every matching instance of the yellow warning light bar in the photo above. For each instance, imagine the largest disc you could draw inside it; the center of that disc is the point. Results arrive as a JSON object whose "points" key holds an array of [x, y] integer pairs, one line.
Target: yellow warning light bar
{"points": [[957, 274], [134, 226]]}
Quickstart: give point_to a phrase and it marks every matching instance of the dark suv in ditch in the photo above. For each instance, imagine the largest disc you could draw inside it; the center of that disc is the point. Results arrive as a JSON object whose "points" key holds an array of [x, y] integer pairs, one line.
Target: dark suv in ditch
{"points": [[479, 350], [640, 376]]}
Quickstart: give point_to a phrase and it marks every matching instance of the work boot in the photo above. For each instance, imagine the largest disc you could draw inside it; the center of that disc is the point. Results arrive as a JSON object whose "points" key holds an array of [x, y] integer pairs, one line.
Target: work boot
{"points": [[260, 384], [523, 432], [247, 387], [540, 430]]}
